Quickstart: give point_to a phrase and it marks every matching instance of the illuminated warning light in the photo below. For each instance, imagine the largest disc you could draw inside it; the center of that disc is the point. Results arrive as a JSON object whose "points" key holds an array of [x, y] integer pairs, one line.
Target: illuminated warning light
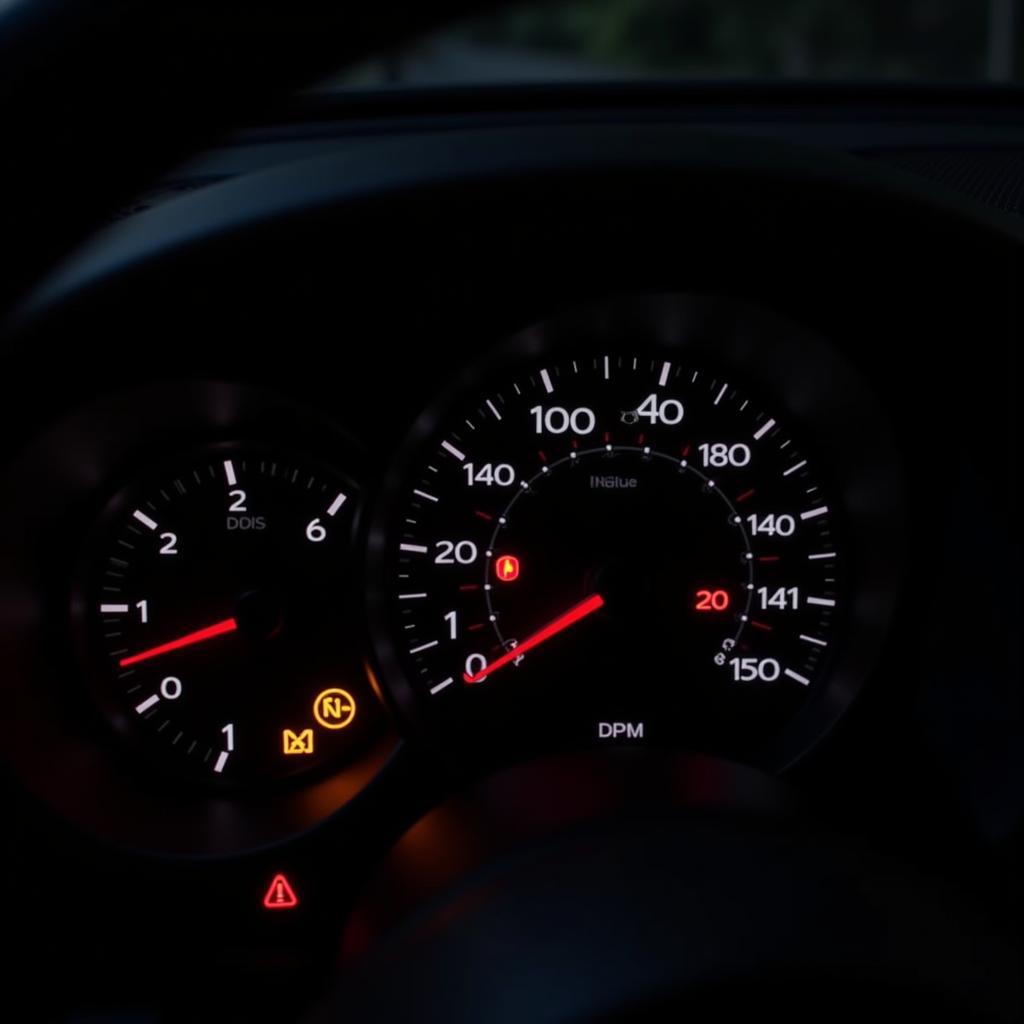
{"points": [[507, 568], [297, 742], [712, 600], [280, 895], [334, 709]]}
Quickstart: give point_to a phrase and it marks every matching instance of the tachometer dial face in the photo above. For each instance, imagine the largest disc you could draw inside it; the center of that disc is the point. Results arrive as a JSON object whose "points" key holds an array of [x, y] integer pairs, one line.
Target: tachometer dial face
{"points": [[612, 548], [215, 615]]}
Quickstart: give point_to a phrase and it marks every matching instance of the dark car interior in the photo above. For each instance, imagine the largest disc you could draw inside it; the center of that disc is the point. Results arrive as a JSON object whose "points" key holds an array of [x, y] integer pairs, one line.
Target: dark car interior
{"points": [[510, 512]]}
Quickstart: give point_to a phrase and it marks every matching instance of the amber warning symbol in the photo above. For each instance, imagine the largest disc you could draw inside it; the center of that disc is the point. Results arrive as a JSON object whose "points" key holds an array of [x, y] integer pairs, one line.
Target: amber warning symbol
{"points": [[280, 895], [334, 709], [297, 742]]}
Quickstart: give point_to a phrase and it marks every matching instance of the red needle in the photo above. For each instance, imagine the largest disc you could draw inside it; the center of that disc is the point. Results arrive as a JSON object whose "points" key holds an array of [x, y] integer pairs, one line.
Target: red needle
{"points": [[553, 628], [198, 637]]}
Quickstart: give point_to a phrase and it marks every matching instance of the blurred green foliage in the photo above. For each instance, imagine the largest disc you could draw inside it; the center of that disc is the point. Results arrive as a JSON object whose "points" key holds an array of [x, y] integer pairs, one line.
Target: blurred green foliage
{"points": [[921, 39]]}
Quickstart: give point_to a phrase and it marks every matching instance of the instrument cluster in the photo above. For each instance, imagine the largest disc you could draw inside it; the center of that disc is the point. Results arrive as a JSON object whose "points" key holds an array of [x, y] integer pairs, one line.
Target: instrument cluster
{"points": [[651, 521]]}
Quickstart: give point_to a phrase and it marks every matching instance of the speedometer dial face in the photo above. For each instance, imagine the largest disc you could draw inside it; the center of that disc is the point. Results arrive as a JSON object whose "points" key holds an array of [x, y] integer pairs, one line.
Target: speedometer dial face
{"points": [[215, 616], [618, 547]]}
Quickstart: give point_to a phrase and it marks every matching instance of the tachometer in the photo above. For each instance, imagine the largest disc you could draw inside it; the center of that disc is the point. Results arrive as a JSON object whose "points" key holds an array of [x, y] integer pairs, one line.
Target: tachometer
{"points": [[621, 545], [213, 613]]}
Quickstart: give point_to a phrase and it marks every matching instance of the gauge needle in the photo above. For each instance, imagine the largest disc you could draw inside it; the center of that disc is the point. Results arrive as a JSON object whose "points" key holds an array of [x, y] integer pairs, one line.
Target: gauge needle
{"points": [[553, 628], [189, 640]]}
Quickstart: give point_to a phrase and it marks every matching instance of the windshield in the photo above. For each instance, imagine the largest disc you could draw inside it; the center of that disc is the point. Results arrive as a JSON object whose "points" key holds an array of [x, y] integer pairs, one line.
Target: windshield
{"points": [[615, 40]]}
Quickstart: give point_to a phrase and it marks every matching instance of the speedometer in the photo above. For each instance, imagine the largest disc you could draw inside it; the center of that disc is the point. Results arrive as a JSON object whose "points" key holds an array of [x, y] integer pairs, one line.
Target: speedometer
{"points": [[611, 546]]}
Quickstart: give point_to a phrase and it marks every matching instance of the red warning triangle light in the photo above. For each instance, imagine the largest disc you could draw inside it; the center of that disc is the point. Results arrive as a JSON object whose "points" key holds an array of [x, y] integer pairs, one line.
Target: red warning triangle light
{"points": [[280, 895]]}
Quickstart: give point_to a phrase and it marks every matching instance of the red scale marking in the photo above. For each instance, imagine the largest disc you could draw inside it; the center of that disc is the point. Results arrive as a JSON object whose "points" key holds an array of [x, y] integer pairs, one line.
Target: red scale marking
{"points": [[745, 495]]}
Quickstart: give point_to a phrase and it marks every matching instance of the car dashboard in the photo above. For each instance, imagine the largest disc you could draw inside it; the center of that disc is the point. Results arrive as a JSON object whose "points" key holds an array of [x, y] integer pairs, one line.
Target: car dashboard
{"points": [[390, 488]]}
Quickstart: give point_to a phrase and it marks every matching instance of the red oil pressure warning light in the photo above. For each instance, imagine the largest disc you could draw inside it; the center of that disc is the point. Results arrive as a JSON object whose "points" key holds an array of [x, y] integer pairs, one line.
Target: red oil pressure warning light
{"points": [[280, 895], [507, 568]]}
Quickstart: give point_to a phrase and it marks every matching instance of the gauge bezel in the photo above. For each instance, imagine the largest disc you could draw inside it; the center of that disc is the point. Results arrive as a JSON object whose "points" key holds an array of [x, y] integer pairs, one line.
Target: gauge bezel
{"points": [[794, 370], [63, 480]]}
